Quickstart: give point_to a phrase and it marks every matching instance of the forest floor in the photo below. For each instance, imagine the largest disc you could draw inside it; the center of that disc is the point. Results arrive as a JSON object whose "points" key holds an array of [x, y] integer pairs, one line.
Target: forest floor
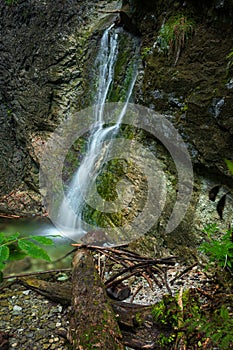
{"points": [[34, 322]]}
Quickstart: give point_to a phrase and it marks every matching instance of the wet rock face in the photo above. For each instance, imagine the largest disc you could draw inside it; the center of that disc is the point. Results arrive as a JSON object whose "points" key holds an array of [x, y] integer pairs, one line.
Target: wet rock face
{"points": [[41, 59], [195, 92], [27, 80], [12, 159], [207, 11]]}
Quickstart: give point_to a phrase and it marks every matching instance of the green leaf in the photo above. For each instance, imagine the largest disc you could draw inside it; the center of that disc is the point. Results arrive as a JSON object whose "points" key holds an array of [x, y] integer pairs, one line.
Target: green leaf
{"points": [[42, 240], [211, 229], [2, 237], [229, 164], [1, 276], [4, 253], [33, 250], [2, 266], [224, 312], [12, 237], [17, 255]]}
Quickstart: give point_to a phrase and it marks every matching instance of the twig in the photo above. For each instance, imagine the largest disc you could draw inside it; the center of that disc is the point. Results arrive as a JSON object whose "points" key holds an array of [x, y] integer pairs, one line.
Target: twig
{"points": [[113, 258], [89, 246], [109, 284], [180, 339], [166, 282], [37, 273], [147, 278], [183, 272], [205, 293], [10, 216], [127, 269], [64, 256], [157, 281], [99, 264], [110, 11], [135, 293], [122, 252]]}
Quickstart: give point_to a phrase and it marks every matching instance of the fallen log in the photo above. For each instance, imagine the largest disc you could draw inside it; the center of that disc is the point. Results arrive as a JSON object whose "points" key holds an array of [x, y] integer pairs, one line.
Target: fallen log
{"points": [[136, 322], [92, 324], [54, 291], [95, 318]]}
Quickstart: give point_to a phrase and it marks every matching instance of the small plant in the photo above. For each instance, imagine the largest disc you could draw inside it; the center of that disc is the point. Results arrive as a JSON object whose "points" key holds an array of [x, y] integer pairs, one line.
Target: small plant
{"points": [[190, 326], [11, 2], [230, 61], [165, 311], [145, 52], [219, 249], [228, 162], [215, 330], [184, 108], [16, 247], [174, 34]]}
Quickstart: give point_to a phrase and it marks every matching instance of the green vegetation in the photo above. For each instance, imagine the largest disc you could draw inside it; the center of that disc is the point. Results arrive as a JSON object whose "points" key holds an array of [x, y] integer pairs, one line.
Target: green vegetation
{"points": [[124, 70], [184, 108], [230, 61], [229, 164], [16, 247], [217, 328], [165, 312], [109, 178], [145, 52], [219, 249], [174, 34], [11, 2], [191, 326], [73, 158], [219, 246]]}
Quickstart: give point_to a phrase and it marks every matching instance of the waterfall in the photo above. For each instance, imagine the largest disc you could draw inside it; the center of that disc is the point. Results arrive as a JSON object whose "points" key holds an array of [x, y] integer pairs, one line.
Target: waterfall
{"points": [[70, 211]]}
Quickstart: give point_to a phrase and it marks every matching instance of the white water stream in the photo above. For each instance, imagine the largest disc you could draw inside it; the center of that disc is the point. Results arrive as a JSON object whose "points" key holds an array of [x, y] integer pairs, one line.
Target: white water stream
{"points": [[79, 190]]}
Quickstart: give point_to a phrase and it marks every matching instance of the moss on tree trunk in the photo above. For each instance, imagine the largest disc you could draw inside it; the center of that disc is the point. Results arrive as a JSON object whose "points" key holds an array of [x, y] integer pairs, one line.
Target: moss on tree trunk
{"points": [[93, 324]]}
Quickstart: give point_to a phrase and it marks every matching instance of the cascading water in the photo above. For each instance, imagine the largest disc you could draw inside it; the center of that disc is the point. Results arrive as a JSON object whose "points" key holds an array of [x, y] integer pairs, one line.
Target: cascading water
{"points": [[70, 211]]}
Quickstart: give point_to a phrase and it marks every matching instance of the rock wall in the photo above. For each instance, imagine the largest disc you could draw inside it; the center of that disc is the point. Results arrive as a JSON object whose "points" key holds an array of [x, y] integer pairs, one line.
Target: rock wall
{"points": [[197, 89], [195, 93], [46, 50]]}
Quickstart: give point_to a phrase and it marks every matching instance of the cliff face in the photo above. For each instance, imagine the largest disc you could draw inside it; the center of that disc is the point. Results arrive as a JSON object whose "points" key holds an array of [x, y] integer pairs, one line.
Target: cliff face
{"points": [[192, 80], [189, 80], [44, 52]]}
